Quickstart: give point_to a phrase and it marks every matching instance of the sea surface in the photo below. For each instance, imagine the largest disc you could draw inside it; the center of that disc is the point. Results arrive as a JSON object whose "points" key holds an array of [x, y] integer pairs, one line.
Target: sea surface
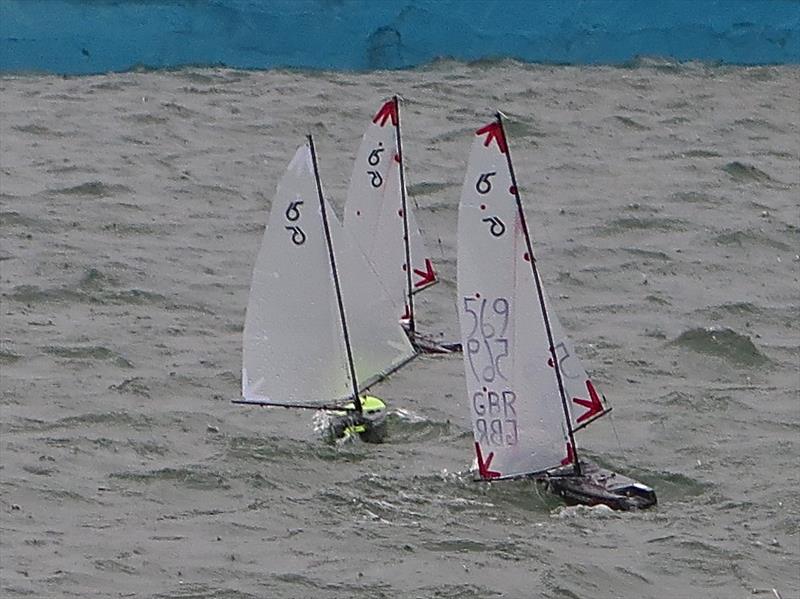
{"points": [[663, 202]]}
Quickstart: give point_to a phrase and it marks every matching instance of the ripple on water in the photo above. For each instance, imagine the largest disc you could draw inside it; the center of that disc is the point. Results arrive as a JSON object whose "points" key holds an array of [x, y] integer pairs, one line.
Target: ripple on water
{"points": [[404, 428], [94, 278], [278, 449], [695, 197], [7, 357], [91, 292], [630, 123], [35, 129], [122, 419], [428, 188], [192, 477], [746, 173], [750, 238], [199, 590], [722, 343], [88, 352], [33, 294], [648, 254], [93, 189], [707, 401], [10, 219], [732, 309], [134, 385], [459, 591], [628, 224]]}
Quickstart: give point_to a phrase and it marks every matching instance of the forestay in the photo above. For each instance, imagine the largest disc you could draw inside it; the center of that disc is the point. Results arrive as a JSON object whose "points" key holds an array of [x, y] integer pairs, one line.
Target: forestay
{"points": [[374, 211], [293, 341]]}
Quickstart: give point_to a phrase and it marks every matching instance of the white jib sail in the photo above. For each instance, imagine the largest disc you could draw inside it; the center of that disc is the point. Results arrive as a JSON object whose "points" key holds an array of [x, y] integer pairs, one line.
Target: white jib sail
{"points": [[379, 344], [293, 341], [374, 212], [517, 415], [585, 401]]}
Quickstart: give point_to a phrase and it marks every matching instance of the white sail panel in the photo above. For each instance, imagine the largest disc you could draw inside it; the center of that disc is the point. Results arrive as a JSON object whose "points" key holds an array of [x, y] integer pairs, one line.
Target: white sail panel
{"points": [[586, 402], [379, 344], [367, 183], [387, 257], [517, 415], [387, 250], [374, 212], [423, 274], [294, 348], [293, 345]]}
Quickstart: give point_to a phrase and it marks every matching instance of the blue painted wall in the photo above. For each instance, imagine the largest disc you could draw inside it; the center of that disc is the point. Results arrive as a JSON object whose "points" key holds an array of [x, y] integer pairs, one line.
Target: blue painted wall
{"points": [[92, 36]]}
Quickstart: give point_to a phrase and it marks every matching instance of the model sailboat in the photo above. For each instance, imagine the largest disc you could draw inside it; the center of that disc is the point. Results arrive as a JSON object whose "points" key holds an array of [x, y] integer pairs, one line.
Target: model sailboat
{"points": [[528, 393], [378, 215], [319, 328]]}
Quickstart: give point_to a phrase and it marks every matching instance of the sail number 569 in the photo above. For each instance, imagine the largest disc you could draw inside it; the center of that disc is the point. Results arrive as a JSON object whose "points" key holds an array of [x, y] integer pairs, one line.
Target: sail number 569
{"points": [[486, 343]]}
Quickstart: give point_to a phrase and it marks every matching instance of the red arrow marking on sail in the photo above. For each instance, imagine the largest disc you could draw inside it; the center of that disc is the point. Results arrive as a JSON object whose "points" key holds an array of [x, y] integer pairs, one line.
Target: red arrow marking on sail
{"points": [[594, 405], [483, 467], [494, 131], [570, 455], [428, 275], [387, 110]]}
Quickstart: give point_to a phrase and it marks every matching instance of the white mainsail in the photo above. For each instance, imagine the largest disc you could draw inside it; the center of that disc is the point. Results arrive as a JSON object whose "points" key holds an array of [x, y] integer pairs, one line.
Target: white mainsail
{"points": [[374, 211], [294, 347], [517, 412]]}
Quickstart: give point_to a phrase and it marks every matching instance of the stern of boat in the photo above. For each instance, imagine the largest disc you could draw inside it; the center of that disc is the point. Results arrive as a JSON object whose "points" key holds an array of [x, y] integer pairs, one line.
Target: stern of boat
{"points": [[599, 486]]}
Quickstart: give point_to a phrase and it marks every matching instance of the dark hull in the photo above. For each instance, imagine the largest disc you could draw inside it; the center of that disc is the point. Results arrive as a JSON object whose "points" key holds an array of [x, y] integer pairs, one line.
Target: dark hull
{"points": [[370, 428], [598, 486], [426, 344]]}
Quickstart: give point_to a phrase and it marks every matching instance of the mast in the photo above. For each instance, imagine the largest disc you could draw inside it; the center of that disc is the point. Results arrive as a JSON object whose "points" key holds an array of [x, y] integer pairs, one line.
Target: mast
{"points": [[404, 207], [539, 292], [335, 274]]}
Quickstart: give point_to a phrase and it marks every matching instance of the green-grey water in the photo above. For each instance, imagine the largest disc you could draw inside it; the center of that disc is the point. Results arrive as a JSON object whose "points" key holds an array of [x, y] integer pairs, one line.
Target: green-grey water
{"points": [[663, 202]]}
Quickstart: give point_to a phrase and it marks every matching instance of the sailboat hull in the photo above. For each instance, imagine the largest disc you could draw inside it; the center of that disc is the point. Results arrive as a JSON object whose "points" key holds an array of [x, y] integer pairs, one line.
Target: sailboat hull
{"points": [[598, 486], [368, 425], [369, 428], [428, 345]]}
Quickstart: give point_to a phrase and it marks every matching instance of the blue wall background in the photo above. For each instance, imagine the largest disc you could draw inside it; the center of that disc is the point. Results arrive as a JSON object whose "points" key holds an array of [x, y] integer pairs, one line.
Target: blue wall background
{"points": [[94, 36]]}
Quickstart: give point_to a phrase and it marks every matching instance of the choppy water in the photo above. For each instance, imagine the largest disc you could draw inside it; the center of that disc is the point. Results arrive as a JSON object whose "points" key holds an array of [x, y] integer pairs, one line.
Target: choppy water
{"points": [[664, 206]]}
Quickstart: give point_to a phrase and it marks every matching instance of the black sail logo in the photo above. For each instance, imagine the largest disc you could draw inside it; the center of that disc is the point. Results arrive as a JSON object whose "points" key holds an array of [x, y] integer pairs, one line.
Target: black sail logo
{"points": [[496, 226]]}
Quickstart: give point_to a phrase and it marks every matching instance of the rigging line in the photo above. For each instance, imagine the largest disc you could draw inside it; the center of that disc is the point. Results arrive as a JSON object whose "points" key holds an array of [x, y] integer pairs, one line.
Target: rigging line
{"points": [[614, 428], [540, 293], [406, 241], [335, 273]]}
